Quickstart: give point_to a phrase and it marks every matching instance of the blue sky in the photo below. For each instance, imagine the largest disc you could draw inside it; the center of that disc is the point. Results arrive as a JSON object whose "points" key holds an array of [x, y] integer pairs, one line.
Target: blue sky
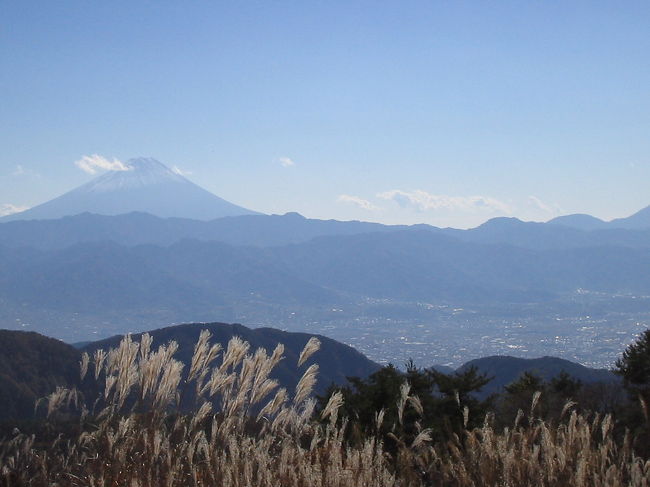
{"points": [[443, 112]]}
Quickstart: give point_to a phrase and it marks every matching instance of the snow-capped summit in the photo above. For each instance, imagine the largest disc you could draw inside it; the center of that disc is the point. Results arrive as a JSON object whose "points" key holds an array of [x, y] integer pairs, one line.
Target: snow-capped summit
{"points": [[138, 173], [145, 185]]}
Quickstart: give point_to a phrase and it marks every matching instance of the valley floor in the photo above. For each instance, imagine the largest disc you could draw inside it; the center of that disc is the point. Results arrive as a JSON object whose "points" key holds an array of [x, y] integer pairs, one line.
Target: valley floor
{"points": [[591, 329]]}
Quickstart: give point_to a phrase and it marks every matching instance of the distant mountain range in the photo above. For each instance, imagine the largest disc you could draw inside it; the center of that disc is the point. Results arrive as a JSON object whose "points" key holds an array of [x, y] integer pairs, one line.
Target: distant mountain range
{"points": [[412, 265], [86, 275], [32, 365], [139, 228], [638, 221], [144, 185], [136, 271]]}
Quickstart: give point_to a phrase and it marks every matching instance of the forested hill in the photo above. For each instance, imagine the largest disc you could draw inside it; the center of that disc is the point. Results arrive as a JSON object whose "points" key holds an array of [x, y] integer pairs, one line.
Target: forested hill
{"points": [[336, 361], [505, 369], [32, 365]]}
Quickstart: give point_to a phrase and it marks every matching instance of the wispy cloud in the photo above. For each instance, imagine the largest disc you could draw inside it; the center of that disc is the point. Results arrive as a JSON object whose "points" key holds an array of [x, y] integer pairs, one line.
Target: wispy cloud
{"points": [[422, 201], [180, 172], [537, 204], [92, 163], [9, 209], [286, 162], [356, 201], [21, 170]]}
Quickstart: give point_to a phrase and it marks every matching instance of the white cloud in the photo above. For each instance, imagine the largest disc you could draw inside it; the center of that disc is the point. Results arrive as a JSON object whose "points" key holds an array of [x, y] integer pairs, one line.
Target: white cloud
{"points": [[9, 209], [286, 162], [21, 171], [423, 201], [537, 204], [356, 201], [92, 163], [180, 172]]}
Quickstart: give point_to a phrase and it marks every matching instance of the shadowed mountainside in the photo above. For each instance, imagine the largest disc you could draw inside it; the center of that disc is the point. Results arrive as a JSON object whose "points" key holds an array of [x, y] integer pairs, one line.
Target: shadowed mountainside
{"points": [[33, 365], [336, 361], [506, 370]]}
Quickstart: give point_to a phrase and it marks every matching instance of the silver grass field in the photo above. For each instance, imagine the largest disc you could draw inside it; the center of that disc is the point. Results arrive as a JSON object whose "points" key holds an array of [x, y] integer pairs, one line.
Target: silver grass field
{"points": [[244, 430]]}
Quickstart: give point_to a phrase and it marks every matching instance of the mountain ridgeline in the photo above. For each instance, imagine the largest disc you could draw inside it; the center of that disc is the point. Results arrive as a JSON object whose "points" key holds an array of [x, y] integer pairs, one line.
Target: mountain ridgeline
{"points": [[408, 265], [638, 221], [137, 228], [137, 271]]}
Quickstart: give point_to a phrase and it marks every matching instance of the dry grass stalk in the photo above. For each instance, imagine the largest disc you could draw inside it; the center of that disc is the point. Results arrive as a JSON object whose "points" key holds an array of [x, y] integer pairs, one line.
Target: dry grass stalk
{"points": [[140, 440], [311, 347], [150, 446], [581, 452]]}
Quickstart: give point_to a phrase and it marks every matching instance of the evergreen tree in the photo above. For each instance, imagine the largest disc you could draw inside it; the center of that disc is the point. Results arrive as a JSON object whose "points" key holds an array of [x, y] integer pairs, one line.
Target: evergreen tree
{"points": [[634, 367]]}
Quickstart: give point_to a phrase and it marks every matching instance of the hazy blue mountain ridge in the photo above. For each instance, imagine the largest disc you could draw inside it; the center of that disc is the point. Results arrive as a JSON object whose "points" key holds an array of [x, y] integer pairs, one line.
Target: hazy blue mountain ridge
{"points": [[640, 219], [426, 265], [138, 228], [194, 280], [580, 221], [187, 275], [637, 221], [278, 230], [547, 236]]}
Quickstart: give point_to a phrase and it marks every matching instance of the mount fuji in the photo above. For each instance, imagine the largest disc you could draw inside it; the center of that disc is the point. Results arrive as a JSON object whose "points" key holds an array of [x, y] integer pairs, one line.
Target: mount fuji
{"points": [[145, 185]]}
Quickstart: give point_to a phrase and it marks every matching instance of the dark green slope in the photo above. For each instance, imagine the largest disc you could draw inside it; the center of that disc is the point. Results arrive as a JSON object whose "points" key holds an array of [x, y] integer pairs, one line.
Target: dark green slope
{"points": [[32, 366], [506, 370]]}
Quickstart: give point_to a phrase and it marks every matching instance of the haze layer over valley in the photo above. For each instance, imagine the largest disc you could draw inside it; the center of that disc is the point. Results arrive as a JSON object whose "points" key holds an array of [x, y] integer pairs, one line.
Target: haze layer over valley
{"points": [[115, 256]]}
